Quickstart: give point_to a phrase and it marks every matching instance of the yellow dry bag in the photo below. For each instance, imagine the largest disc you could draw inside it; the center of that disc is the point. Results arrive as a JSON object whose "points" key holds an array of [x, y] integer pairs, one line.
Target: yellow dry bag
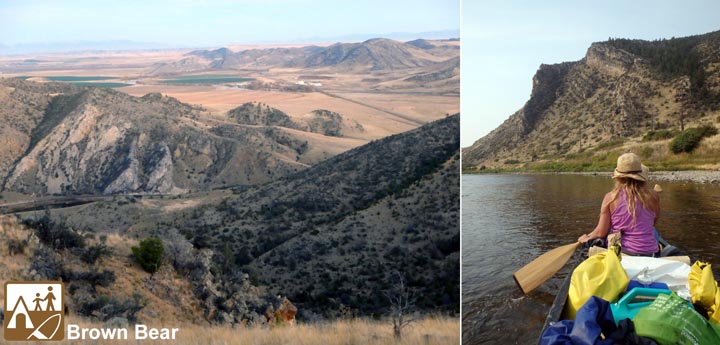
{"points": [[599, 275], [704, 290]]}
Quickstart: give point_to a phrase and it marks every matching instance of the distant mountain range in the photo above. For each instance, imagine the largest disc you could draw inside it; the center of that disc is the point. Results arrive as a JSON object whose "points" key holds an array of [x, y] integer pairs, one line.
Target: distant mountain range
{"points": [[55, 47], [374, 54], [621, 89], [398, 36], [113, 45]]}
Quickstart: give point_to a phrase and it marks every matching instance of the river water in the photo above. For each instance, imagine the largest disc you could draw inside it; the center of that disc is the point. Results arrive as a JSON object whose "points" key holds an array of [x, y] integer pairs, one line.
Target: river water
{"points": [[509, 220]]}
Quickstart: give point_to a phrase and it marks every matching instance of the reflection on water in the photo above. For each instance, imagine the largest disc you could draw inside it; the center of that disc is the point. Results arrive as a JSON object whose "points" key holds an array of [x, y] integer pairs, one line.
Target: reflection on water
{"points": [[508, 220]]}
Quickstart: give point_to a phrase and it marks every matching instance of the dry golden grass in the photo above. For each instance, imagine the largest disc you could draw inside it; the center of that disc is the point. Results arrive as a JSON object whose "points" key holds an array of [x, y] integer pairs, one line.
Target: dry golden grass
{"points": [[168, 296], [423, 108], [345, 332], [431, 331], [709, 147], [13, 266], [12, 229], [658, 155]]}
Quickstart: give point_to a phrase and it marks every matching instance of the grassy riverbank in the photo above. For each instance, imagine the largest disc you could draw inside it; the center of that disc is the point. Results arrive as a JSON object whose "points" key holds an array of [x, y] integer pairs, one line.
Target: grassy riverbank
{"points": [[655, 154]]}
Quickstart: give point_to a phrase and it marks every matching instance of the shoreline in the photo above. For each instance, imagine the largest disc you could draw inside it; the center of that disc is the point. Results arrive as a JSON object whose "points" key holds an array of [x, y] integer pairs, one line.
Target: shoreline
{"points": [[695, 176]]}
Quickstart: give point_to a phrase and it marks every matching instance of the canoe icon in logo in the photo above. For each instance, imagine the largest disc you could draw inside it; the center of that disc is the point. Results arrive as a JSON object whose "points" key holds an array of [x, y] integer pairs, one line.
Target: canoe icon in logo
{"points": [[34, 311], [40, 333]]}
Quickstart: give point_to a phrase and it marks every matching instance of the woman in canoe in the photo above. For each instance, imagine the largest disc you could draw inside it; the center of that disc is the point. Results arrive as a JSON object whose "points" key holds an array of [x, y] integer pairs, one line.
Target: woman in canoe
{"points": [[631, 209]]}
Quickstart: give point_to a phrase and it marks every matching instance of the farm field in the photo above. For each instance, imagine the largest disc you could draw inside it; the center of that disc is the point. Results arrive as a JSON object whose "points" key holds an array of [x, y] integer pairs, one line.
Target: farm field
{"points": [[205, 79]]}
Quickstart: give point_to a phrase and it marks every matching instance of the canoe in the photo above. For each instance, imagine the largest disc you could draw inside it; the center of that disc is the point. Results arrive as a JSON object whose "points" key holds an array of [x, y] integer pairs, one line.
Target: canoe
{"points": [[555, 313]]}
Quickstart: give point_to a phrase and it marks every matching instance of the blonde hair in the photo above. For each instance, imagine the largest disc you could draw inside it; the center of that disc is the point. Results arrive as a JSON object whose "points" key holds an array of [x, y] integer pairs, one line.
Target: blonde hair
{"points": [[635, 190]]}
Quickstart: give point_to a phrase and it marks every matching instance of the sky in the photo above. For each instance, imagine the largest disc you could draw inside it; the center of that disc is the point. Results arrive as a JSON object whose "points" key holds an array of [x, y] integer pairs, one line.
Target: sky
{"points": [[504, 43], [217, 22]]}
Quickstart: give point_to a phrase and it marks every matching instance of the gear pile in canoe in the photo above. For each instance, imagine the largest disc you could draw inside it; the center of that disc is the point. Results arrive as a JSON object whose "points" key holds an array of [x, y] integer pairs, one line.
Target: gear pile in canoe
{"points": [[613, 298]]}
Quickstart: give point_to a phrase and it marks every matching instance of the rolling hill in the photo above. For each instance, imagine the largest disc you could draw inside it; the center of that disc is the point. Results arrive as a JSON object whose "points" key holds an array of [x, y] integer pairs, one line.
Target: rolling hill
{"points": [[373, 55]]}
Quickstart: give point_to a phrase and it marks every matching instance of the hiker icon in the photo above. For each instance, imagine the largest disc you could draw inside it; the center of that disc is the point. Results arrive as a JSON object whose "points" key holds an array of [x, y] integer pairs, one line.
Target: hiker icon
{"points": [[37, 301], [50, 298]]}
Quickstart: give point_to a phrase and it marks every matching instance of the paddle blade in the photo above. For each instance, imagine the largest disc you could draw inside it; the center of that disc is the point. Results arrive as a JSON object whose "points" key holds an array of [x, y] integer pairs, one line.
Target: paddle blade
{"points": [[545, 266]]}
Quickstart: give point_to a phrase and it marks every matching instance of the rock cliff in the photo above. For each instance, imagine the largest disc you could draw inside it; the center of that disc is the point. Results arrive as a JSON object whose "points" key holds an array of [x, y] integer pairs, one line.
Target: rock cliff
{"points": [[620, 89]]}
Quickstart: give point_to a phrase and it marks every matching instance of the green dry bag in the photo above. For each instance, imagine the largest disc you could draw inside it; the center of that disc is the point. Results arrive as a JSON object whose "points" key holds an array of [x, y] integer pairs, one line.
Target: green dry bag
{"points": [[670, 320]]}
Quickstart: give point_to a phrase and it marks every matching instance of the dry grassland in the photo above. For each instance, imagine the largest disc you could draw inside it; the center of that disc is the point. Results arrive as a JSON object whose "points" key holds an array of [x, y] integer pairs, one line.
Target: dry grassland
{"points": [[432, 331], [377, 123]]}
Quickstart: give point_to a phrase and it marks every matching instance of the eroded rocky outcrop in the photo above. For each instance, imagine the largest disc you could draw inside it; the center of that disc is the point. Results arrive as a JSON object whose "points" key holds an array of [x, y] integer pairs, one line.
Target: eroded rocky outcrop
{"points": [[281, 312], [332, 124]]}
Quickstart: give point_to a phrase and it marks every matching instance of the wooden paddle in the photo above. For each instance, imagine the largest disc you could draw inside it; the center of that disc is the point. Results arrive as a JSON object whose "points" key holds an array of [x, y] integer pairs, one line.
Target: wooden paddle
{"points": [[545, 266]]}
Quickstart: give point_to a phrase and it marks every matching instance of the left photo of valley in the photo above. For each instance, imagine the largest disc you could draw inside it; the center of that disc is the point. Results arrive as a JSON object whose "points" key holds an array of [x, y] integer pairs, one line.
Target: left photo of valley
{"points": [[228, 172]]}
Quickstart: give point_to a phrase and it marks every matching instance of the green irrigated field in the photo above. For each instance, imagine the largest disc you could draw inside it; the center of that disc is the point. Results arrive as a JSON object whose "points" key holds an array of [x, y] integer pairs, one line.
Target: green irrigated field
{"points": [[74, 79], [205, 79], [84, 80], [101, 84]]}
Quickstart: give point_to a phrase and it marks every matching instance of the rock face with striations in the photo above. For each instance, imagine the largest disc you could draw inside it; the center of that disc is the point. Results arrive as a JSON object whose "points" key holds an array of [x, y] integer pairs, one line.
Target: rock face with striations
{"points": [[546, 86], [620, 89]]}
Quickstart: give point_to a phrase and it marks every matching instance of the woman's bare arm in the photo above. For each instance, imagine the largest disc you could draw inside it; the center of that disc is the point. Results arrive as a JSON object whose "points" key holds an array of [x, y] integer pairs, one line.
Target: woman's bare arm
{"points": [[656, 205], [603, 226]]}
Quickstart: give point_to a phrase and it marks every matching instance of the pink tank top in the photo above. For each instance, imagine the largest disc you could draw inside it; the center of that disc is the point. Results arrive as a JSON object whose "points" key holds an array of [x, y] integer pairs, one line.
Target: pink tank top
{"points": [[638, 236]]}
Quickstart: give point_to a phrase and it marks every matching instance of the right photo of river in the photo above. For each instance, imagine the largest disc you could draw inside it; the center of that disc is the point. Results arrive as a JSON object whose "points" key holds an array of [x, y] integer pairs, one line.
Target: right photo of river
{"points": [[582, 120]]}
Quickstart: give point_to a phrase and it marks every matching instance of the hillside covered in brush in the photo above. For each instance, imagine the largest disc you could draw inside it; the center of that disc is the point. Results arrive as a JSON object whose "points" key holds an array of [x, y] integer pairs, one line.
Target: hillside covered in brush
{"points": [[622, 91], [331, 238]]}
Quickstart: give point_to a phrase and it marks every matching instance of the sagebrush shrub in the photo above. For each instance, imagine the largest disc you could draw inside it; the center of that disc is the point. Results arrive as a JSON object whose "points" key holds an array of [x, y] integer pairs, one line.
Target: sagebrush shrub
{"points": [[689, 139], [149, 254]]}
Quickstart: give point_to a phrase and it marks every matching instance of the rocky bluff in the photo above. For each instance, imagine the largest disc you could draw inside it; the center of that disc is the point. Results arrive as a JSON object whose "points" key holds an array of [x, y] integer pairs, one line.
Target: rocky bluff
{"points": [[620, 89]]}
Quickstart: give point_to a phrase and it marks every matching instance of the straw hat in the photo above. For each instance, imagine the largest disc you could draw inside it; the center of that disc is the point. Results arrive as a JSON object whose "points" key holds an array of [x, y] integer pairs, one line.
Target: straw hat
{"points": [[629, 166]]}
